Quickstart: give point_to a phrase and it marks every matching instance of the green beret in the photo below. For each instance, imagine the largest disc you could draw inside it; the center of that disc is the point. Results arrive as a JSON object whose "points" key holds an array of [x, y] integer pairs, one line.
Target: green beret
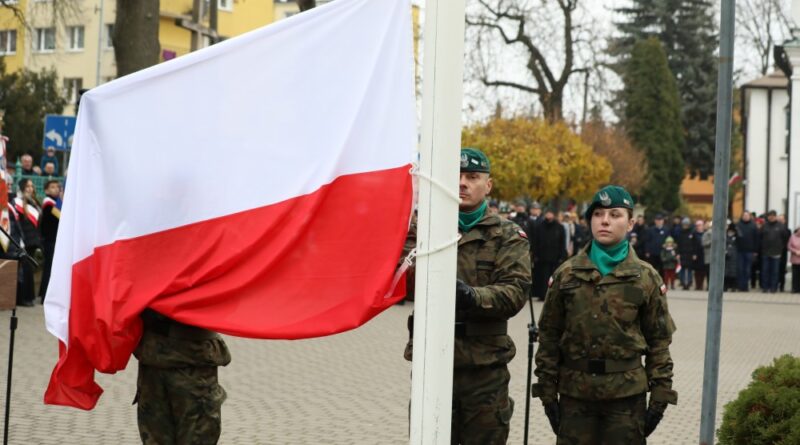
{"points": [[610, 196], [473, 160]]}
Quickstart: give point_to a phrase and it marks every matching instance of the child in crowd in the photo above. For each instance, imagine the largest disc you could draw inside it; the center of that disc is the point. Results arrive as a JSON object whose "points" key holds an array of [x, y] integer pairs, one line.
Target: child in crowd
{"points": [[670, 260]]}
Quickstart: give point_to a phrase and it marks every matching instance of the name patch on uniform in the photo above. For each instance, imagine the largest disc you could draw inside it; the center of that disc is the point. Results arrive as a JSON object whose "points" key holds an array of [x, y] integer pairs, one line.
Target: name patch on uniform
{"points": [[663, 289]]}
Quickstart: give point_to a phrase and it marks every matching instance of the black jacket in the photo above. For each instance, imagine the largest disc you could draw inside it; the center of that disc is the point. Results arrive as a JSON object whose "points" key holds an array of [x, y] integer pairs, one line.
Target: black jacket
{"points": [[773, 239], [746, 237], [549, 242], [654, 240]]}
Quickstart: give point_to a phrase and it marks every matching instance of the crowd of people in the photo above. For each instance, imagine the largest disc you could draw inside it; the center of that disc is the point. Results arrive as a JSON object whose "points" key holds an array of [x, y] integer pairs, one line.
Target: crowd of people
{"points": [[32, 222], [758, 250]]}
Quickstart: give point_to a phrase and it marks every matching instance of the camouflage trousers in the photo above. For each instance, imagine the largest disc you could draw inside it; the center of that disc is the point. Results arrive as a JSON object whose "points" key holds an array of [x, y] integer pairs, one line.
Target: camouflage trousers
{"points": [[481, 406], [605, 422], [179, 406]]}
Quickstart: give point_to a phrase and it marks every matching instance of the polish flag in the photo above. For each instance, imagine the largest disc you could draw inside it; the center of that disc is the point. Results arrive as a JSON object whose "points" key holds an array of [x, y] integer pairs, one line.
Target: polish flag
{"points": [[259, 188]]}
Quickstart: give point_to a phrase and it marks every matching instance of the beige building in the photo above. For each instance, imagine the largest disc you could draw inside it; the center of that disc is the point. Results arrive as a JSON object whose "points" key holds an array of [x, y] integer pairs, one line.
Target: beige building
{"points": [[77, 41]]}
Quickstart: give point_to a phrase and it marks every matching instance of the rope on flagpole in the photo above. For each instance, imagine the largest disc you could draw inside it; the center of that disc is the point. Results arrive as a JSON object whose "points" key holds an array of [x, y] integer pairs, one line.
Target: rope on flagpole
{"points": [[415, 170], [416, 253]]}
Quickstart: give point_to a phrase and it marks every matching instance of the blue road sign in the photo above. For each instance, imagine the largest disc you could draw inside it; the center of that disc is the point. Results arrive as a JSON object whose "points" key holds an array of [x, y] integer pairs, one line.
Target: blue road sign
{"points": [[58, 132]]}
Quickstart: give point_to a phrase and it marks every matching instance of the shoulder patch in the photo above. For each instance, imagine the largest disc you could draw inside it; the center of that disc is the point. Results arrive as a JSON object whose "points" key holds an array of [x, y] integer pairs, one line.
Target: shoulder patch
{"points": [[522, 233], [663, 289], [550, 282]]}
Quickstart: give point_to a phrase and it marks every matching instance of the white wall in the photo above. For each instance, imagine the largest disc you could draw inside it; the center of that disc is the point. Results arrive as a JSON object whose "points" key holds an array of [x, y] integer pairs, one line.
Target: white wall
{"points": [[757, 103]]}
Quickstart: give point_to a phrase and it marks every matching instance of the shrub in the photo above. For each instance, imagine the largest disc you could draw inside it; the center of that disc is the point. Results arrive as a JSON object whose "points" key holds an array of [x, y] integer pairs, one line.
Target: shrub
{"points": [[767, 412]]}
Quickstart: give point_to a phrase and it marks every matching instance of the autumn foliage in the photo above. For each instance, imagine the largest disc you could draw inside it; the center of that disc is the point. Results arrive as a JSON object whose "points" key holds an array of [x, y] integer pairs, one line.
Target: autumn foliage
{"points": [[533, 158], [628, 163]]}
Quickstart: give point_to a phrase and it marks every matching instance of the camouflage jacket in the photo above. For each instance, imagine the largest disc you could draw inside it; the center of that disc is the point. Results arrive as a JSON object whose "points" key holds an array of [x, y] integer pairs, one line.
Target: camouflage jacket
{"points": [[166, 343], [493, 258], [618, 317]]}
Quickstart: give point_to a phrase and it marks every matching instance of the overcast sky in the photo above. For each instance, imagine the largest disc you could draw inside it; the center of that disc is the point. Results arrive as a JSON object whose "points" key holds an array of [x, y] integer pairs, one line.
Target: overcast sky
{"points": [[480, 102]]}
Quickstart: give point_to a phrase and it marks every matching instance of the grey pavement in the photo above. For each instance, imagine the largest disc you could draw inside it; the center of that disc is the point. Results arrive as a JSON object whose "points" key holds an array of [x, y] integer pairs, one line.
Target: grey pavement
{"points": [[353, 388]]}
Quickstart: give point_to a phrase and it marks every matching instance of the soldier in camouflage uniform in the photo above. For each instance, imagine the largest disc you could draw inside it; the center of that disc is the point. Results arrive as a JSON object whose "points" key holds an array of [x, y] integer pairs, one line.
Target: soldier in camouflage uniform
{"points": [[604, 310], [494, 275], [178, 395]]}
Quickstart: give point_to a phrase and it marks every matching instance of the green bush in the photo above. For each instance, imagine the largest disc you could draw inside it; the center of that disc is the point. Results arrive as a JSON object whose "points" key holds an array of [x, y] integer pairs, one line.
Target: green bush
{"points": [[767, 412]]}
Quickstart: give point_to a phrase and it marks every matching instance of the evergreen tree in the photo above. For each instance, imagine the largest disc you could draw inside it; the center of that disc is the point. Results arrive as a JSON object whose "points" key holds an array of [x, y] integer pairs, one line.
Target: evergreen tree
{"points": [[27, 96], [652, 120], [687, 30]]}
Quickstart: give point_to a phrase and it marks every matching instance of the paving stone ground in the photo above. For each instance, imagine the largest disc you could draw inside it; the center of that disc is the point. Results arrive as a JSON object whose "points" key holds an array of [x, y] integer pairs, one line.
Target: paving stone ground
{"points": [[353, 388]]}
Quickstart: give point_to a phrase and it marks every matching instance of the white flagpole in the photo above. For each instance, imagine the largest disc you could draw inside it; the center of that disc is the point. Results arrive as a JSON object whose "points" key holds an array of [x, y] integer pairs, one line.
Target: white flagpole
{"points": [[434, 308]]}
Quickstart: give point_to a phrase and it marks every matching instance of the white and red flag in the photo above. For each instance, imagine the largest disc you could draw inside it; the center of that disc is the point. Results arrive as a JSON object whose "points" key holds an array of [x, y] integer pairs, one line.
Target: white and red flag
{"points": [[259, 188]]}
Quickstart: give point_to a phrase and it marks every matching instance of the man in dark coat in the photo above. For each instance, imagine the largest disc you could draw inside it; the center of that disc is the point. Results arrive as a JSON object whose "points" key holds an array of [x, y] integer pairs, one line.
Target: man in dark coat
{"points": [[654, 241], [549, 251], [773, 244], [746, 248]]}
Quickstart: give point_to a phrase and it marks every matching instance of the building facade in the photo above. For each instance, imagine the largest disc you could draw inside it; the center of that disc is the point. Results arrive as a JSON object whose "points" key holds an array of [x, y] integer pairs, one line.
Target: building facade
{"points": [[765, 112], [75, 40]]}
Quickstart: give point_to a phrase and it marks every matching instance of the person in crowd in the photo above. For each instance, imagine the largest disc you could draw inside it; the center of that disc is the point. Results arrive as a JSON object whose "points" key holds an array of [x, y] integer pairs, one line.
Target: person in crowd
{"points": [[676, 226], [633, 240], [549, 250], [535, 211], [28, 169], [731, 257], [582, 234], [746, 248], [48, 226], [687, 252], [699, 263], [669, 262], [784, 255], [705, 241], [794, 250], [493, 275], [654, 242], [640, 229], [521, 217], [569, 232], [605, 309], [49, 170], [773, 243], [28, 210], [756, 274], [494, 207], [49, 156]]}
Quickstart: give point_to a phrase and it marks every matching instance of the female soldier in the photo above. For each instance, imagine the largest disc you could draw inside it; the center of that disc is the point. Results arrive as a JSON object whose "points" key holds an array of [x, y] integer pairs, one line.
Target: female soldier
{"points": [[605, 309]]}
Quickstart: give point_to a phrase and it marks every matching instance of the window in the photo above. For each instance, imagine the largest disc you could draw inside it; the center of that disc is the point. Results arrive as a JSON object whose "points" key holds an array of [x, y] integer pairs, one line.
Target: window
{"points": [[45, 39], [8, 41], [109, 35], [222, 5], [71, 88], [76, 34]]}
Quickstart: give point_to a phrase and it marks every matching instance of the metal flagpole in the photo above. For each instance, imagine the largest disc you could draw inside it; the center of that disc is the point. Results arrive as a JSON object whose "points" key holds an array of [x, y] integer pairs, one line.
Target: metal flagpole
{"points": [[722, 155], [434, 306]]}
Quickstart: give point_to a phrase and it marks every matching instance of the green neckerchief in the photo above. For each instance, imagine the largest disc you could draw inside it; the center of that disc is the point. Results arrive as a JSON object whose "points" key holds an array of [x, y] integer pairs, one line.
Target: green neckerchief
{"points": [[467, 220], [606, 258]]}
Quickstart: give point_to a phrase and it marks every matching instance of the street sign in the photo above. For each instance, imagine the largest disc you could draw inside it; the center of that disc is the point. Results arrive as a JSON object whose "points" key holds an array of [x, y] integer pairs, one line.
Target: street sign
{"points": [[58, 132]]}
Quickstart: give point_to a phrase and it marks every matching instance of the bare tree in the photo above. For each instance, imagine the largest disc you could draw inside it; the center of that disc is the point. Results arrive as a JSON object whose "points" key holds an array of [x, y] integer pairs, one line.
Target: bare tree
{"points": [[305, 5], [526, 28], [760, 24], [135, 35]]}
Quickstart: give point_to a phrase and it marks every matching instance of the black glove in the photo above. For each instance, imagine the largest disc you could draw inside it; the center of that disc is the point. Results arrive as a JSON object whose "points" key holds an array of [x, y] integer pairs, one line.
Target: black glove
{"points": [[652, 417], [466, 298], [551, 411]]}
